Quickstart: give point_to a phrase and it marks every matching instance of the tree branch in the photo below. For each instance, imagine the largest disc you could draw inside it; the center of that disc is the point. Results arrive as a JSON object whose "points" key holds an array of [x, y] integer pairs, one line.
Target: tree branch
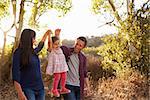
{"points": [[11, 36], [14, 2], [39, 15], [115, 12], [19, 28], [142, 8], [106, 23], [131, 7], [8, 29]]}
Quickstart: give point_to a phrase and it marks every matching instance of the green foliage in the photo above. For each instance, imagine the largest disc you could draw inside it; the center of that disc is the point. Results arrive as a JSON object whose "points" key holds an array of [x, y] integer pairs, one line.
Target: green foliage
{"points": [[8, 52], [125, 50], [97, 5], [62, 5], [42, 6], [4, 8], [43, 53], [144, 25], [101, 6], [129, 47], [115, 53]]}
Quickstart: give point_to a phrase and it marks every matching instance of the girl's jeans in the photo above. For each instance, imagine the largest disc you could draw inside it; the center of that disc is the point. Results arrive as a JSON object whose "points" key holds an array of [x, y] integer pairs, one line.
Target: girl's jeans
{"points": [[59, 77]]}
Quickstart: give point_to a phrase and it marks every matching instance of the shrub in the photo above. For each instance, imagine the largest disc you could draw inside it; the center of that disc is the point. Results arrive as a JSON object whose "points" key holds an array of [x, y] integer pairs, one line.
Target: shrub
{"points": [[96, 70]]}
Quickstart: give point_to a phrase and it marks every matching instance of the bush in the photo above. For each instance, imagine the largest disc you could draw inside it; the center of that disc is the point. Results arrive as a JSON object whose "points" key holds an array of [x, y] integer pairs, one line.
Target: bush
{"points": [[96, 70]]}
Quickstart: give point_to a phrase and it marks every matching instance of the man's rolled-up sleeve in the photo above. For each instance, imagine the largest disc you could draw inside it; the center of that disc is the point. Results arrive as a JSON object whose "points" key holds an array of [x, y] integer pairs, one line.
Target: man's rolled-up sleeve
{"points": [[85, 68]]}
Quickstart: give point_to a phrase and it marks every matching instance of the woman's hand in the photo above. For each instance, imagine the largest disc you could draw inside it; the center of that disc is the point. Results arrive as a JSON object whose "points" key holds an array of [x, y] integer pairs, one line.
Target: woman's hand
{"points": [[21, 96], [48, 32]]}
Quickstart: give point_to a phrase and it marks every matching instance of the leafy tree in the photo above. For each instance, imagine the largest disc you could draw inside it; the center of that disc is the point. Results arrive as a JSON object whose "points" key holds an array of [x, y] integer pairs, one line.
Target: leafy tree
{"points": [[41, 6], [4, 6], [124, 50]]}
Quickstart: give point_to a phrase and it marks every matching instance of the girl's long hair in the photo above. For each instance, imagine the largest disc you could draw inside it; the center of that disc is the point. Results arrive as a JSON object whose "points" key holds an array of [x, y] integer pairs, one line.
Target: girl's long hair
{"points": [[26, 45]]}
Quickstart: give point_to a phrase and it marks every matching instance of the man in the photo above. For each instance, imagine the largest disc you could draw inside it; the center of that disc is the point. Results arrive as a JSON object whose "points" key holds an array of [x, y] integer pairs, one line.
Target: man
{"points": [[77, 80]]}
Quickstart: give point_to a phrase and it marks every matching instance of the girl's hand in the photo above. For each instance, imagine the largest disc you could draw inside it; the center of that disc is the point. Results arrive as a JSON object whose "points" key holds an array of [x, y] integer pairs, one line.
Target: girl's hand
{"points": [[57, 32]]}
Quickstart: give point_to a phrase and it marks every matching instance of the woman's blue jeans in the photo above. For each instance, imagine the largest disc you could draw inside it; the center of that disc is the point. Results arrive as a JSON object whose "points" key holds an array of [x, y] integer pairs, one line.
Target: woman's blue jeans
{"points": [[34, 94]]}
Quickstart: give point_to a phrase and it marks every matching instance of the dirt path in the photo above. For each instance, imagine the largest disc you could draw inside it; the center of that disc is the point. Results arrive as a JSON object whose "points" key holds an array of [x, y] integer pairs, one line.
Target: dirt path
{"points": [[7, 92]]}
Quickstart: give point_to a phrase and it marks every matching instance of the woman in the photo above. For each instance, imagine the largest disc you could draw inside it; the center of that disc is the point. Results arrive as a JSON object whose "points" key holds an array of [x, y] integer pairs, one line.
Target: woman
{"points": [[26, 67]]}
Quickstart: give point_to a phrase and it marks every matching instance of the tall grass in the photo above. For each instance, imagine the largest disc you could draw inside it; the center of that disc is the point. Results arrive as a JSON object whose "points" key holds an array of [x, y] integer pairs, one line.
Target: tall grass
{"points": [[106, 86]]}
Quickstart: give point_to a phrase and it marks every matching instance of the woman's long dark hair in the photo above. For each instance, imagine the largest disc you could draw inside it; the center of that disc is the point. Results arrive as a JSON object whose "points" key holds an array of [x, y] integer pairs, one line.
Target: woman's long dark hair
{"points": [[26, 45]]}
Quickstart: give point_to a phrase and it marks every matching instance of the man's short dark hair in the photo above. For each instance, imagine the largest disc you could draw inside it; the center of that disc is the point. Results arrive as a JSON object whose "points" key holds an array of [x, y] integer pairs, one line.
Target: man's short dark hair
{"points": [[83, 39]]}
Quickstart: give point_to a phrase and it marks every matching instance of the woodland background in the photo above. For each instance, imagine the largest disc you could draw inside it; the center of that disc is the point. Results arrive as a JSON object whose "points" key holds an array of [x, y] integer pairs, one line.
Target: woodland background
{"points": [[118, 64]]}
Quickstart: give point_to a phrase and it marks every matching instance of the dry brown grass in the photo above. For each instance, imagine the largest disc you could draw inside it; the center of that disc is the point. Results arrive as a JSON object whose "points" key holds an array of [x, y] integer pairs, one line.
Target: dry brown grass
{"points": [[135, 87], [132, 87], [7, 91]]}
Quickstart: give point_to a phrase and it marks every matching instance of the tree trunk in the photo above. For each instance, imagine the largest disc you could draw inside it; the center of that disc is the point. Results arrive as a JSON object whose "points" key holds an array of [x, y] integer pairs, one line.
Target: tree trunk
{"points": [[14, 9], [128, 2], [2, 59], [20, 22], [4, 45], [5, 66]]}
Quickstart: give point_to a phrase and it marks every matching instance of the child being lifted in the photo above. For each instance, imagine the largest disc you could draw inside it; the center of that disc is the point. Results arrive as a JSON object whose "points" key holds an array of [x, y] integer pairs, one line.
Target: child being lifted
{"points": [[57, 65]]}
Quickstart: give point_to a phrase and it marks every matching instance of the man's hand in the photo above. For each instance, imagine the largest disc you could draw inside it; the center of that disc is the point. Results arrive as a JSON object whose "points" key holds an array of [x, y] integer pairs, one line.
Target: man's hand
{"points": [[87, 90]]}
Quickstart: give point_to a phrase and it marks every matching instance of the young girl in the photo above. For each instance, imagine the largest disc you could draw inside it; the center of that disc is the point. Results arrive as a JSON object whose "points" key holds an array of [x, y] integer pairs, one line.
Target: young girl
{"points": [[57, 65]]}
